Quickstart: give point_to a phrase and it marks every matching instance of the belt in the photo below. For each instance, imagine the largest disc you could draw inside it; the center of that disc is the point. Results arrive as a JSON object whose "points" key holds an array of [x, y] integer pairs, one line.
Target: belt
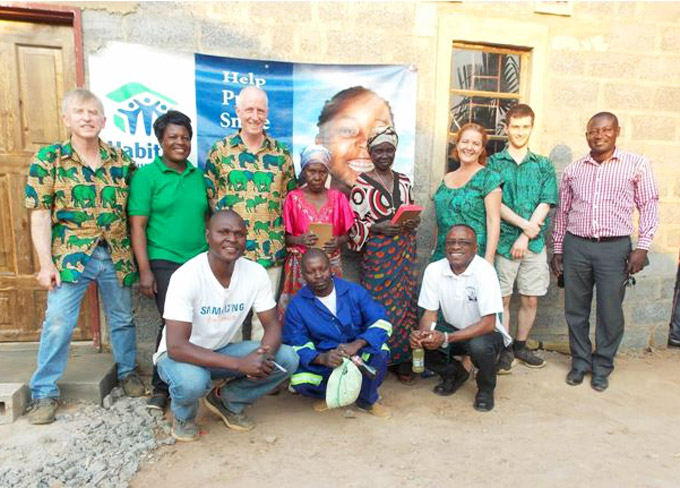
{"points": [[600, 239]]}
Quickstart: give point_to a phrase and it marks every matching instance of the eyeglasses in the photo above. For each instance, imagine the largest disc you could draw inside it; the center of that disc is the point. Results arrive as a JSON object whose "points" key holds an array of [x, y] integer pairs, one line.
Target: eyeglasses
{"points": [[458, 242], [630, 281]]}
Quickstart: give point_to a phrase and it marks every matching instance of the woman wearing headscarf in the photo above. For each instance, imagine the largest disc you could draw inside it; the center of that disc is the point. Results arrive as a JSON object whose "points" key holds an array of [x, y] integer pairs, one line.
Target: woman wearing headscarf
{"points": [[313, 203], [388, 250]]}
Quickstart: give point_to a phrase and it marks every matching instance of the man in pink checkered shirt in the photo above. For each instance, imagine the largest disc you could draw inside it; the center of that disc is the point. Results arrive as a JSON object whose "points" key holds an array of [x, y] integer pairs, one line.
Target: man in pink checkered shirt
{"points": [[592, 245]]}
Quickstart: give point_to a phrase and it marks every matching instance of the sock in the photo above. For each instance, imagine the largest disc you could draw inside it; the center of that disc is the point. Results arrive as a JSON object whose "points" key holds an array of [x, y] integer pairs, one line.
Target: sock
{"points": [[519, 345]]}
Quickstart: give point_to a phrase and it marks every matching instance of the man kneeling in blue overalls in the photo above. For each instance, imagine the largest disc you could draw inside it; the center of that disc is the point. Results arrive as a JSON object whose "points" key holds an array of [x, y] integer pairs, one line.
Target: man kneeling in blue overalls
{"points": [[331, 319]]}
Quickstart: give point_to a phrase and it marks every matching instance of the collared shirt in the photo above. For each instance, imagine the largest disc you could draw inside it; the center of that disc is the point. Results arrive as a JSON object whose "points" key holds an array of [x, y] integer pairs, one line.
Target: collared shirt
{"points": [[465, 298], [596, 200], [176, 205], [86, 206], [525, 186], [254, 186]]}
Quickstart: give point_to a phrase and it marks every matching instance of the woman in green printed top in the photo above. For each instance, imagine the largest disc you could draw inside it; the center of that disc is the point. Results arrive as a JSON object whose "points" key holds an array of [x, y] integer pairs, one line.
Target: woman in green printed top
{"points": [[168, 206], [470, 195]]}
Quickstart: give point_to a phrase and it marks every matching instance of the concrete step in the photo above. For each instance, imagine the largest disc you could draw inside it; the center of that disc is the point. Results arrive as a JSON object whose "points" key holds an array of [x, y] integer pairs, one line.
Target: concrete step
{"points": [[90, 375]]}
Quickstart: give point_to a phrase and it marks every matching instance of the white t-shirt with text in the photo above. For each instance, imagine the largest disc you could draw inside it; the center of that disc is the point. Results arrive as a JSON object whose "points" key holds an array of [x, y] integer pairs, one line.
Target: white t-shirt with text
{"points": [[215, 313]]}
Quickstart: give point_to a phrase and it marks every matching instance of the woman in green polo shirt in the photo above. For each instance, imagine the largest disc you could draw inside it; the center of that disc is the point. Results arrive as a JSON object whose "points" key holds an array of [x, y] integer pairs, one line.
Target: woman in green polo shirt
{"points": [[168, 206]]}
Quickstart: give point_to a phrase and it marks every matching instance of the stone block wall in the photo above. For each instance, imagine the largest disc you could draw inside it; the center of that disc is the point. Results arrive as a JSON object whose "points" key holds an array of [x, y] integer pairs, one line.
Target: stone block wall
{"points": [[622, 57]]}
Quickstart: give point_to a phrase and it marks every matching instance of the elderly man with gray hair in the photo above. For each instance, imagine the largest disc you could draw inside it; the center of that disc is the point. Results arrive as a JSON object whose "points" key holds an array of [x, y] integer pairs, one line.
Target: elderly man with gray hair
{"points": [[251, 173], [77, 191]]}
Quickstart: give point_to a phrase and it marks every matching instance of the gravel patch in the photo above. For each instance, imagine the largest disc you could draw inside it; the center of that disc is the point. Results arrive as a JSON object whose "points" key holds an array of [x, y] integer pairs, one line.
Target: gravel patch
{"points": [[95, 447]]}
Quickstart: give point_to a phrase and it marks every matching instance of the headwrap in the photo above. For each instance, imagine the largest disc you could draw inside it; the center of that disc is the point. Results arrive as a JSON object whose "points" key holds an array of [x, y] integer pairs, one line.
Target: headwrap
{"points": [[315, 153], [382, 134]]}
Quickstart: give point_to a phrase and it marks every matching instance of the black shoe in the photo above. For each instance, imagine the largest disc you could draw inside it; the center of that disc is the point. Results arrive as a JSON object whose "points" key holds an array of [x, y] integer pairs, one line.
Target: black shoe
{"points": [[158, 401], [450, 385], [599, 383], [672, 342], [575, 376], [484, 402], [529, 358], [506, 360]]}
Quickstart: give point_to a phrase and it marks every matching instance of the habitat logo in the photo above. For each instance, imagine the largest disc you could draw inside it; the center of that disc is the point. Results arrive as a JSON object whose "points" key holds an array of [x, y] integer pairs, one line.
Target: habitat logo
{"points": [[139, 107]]}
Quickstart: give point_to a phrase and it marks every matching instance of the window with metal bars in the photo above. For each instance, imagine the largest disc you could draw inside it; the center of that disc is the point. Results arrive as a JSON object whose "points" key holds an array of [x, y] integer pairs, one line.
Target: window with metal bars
{"points": [[485, 82]]}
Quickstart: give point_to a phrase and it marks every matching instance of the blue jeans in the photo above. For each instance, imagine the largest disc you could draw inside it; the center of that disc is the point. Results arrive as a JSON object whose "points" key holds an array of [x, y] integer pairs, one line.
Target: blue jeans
{"points": [[63, 307], [189, 383]]}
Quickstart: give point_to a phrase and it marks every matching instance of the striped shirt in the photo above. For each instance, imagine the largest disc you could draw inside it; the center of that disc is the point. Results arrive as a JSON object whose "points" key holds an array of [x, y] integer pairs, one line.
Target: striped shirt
{"points": [[596, 200]]}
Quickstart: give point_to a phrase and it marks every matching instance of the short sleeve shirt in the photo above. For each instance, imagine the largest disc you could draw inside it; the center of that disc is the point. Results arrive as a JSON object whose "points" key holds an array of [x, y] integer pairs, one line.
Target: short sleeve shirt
{"points": [[86, 206], [254, 186], [525, 186], [216, 313], [176, 205], [464, 205], [463, 299]]}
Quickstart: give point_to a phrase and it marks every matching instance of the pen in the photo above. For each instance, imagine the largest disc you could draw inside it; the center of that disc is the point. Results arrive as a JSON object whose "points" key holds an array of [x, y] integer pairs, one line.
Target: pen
{"points": [[281, 368]]}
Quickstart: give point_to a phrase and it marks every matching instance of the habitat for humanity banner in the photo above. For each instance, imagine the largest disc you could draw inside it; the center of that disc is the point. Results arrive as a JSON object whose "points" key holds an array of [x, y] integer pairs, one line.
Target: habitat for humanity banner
{"points": [[334, 105]]}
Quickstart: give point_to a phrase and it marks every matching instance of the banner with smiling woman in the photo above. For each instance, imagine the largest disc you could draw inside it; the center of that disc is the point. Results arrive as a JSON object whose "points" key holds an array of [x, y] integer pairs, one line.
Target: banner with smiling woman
{"points": [[333, 105]]}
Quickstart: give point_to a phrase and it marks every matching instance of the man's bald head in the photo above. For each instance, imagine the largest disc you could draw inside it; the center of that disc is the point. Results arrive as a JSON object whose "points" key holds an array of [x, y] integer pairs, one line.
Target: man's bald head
{"points": [[315, 253], [605, 116], [225, 214], [466, 229], [249, 93], [460, 247], [226, 235]]}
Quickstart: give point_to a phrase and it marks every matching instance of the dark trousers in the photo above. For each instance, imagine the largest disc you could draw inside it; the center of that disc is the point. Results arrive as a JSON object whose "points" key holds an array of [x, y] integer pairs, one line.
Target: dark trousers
{"points": [[483, 351], [602, 265], [304, 383], [674, 333], [162, 271]]}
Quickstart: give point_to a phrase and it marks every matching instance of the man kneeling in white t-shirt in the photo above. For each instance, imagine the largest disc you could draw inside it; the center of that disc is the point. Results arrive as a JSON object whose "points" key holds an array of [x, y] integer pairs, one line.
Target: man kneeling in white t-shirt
{"points": [[466, 289], [207, 301]]}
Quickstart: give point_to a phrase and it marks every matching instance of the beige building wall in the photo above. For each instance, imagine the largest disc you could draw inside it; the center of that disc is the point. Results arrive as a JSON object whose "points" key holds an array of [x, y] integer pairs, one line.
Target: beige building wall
{"points": [[621, 57]]}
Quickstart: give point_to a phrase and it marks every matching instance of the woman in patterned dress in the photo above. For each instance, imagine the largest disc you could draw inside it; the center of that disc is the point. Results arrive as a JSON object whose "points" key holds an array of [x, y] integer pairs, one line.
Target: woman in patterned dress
{"points": [[470, 195], [389, 251], [313, 203]]}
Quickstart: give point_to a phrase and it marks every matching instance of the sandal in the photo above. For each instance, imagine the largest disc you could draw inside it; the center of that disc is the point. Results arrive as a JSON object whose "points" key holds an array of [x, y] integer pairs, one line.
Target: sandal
{"points": [[407, 379]]}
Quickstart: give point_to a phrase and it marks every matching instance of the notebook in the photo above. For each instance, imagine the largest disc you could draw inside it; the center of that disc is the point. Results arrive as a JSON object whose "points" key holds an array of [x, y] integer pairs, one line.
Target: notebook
{"points": [[406, 213], [323, 232]]}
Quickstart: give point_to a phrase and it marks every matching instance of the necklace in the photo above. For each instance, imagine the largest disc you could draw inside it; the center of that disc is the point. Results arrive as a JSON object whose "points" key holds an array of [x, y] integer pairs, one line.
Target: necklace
{"points": [[384, 183], [387, 187]]}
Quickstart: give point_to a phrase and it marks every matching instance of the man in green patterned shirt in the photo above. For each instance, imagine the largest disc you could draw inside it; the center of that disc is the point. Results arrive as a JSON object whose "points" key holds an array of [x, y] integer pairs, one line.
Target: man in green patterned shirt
{"points": [[77, 191], [529, 191], [251, 173]]}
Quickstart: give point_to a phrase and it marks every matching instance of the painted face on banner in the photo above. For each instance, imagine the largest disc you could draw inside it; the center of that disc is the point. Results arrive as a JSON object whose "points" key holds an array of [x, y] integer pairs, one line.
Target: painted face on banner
{"points": [[345, 135]]}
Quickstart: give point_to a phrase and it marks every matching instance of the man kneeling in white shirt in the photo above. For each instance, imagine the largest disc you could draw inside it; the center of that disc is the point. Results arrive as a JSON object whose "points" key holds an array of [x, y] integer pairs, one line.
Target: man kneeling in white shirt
{"points": [[466, 289], [207, 301]]}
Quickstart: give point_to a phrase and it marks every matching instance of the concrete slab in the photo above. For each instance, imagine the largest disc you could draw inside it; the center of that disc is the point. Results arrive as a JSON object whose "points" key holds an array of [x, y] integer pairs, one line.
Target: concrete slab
{"points": [[90, 375], [12, 401]]}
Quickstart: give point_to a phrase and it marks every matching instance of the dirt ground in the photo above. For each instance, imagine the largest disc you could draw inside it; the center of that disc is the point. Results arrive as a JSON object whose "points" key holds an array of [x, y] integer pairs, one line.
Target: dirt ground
{"points": [[542, 433]]}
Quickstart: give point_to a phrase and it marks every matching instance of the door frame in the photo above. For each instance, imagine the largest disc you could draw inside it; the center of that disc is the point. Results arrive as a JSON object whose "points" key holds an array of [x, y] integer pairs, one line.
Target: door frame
{"points": [[40, 13]]}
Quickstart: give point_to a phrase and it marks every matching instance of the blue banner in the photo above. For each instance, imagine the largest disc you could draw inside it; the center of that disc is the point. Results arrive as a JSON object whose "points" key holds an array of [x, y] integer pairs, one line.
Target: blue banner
{"points": [[219, 80]]}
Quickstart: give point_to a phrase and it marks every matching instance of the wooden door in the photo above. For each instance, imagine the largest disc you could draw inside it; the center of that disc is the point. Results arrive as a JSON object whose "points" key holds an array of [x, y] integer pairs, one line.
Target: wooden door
{"points": [[37, 66]]}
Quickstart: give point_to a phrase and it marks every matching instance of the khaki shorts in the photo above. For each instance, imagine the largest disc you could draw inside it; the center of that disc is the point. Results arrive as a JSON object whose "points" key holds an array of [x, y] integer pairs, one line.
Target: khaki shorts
{"points": [[531, 272]]}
